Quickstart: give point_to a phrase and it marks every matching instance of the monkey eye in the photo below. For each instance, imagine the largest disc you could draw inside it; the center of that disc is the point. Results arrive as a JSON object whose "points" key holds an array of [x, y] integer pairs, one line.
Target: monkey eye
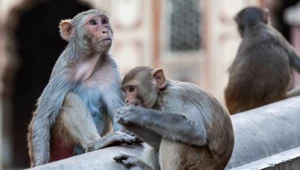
{"points": [[93, 22], [131, 89], [104, 21]]}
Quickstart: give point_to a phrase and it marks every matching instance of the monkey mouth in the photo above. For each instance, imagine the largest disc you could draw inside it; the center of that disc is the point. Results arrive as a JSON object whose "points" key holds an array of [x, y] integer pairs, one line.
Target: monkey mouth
{"points": [[106, 39]]}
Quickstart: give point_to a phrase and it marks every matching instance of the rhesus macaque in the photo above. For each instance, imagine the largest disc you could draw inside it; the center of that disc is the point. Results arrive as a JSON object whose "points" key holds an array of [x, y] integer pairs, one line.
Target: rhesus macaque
{"points": [[78, 104], [261, 73], [183, 126]]}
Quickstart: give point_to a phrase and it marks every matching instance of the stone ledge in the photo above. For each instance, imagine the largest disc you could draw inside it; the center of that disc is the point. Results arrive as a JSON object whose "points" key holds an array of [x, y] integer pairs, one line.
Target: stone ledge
{"points": [[97, 160], [259, 133], [285, 160], [265, 131]]}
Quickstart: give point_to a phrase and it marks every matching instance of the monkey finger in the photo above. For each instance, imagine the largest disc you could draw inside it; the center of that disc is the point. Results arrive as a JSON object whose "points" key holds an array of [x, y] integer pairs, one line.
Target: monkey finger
{"points": [[113, 139], [125, 119], [122, 110], [120, 157], [127, 109], [127, 160], [129, 139], [134, 139], [120, 120]]}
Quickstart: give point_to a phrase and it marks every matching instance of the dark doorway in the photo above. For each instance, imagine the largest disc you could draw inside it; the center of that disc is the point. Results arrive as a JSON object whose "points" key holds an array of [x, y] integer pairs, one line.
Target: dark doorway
{"points": [[38, 45]]}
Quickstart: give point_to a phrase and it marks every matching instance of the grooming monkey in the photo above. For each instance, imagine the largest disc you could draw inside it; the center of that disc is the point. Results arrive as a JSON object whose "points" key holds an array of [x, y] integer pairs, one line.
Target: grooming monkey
{"points": [[261, 72], [183, 126], [78, 104]]}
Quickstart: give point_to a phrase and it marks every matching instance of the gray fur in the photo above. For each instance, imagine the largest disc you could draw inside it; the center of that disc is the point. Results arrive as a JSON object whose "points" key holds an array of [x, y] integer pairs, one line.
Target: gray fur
{"points": [[179, 99], [101, 99], [190, 126], [150, 155]]}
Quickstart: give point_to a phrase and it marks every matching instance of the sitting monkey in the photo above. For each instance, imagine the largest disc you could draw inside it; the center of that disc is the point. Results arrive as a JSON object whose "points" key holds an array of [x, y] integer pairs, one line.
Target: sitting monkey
{"points": [[78, 105], [183, 126], [261, 72]]}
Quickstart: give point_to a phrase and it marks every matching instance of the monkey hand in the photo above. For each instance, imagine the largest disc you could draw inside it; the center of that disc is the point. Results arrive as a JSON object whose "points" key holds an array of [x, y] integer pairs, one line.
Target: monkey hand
{"points": [[113, 139], [129, 115], [131, 162], [124, 130]]}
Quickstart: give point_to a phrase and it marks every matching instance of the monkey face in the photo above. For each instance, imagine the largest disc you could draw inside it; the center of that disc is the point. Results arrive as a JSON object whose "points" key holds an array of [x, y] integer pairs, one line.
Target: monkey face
{"points": [[131, 95], [142, 85], [140, 95], [99, 32], [90, 30]]}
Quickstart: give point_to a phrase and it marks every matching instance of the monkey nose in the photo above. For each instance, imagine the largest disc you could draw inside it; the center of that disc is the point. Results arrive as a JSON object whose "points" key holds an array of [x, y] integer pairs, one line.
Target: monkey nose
{"points": [[105, 31]]}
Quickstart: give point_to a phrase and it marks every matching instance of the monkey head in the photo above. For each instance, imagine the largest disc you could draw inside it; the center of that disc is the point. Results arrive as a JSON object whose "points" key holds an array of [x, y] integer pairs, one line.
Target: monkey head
{"points": [[142, 84], [89, 31], [250, 16]]}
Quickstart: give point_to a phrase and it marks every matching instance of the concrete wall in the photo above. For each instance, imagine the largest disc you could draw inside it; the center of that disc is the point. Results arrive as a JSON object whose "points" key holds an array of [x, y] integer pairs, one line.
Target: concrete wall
{"points": [[259, 133]]}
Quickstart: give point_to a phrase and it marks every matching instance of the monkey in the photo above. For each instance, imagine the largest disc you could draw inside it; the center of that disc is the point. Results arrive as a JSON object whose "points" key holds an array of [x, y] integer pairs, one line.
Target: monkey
{"points": [[79, 103], [261, 72], [182, 125]]}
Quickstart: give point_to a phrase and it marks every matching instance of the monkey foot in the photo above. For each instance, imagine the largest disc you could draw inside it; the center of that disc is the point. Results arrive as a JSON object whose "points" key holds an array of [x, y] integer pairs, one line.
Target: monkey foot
{"points": [[129, 161]]}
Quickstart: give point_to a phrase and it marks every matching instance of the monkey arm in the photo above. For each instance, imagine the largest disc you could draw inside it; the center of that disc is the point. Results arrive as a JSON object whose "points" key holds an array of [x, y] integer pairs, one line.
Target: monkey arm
{"points": [[294, 58], [291, 52], [114, 101], [49, 105], [148, 136], [173, 126]]}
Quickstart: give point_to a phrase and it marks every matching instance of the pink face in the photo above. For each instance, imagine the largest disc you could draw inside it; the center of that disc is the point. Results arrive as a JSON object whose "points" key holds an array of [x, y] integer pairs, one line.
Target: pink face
{"points": [[99, 31], [131, 95]]}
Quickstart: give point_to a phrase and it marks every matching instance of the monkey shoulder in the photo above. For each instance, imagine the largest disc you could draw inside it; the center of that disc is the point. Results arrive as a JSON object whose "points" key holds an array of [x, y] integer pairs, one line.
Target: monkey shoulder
{"points": [[114, 65], [264, 44], [190, 95], [266, 35], [113, 61]]}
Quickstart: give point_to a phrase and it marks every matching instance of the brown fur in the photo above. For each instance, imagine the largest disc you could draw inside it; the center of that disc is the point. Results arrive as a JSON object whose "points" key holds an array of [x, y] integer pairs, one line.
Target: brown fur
{"points": [[182, 123], [61, 130], [261, 72]]}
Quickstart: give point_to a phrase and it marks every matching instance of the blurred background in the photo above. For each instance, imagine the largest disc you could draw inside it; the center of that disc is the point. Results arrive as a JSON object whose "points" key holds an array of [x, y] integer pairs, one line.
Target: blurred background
{"points": [[192, 40]]}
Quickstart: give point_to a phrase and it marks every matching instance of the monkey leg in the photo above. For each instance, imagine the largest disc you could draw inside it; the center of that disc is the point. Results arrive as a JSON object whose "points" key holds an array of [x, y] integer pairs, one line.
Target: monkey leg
{"points": [[75, 125], [151, 157]]}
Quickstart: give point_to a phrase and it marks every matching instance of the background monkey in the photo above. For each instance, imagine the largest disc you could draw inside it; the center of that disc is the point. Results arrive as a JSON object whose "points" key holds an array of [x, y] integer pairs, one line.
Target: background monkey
{"points": [[184, 126], [90, 79], [261, 72]]}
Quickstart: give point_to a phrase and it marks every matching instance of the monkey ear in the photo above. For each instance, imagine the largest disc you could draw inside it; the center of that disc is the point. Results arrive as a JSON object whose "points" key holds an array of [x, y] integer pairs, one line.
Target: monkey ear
{"points": [[66, 28], [158, 78]]}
